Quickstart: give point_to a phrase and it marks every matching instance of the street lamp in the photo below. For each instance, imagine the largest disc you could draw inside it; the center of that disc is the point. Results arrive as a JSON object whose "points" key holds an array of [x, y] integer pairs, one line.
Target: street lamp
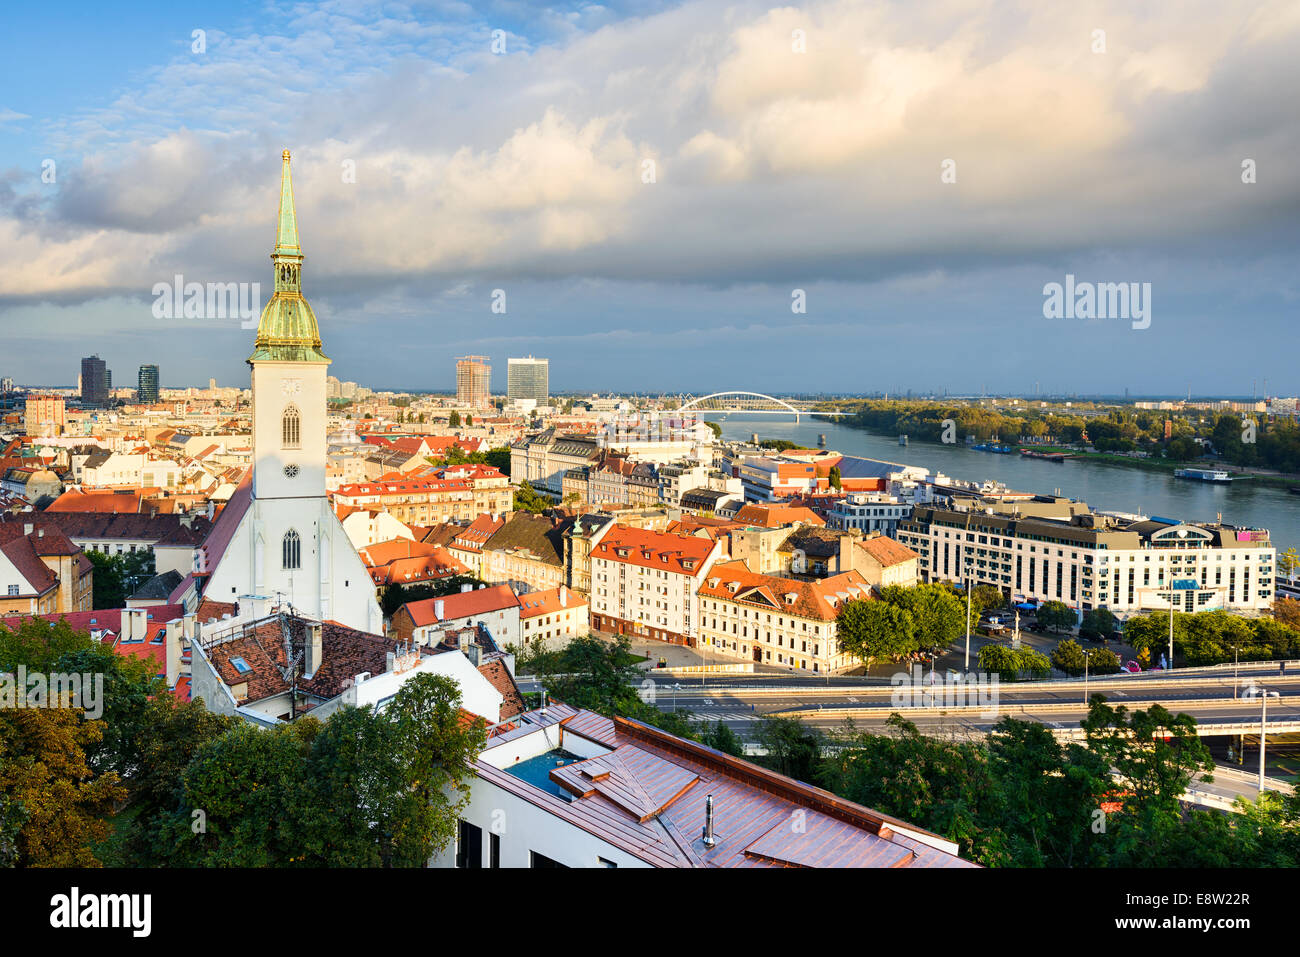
{"points": [[966, 665], [1087, 657], [1263, 727], [1234, 672]]}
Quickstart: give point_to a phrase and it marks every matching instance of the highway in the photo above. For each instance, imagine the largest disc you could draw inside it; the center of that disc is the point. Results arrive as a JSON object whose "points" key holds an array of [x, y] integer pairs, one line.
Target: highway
{"points": [[1212, 695]]}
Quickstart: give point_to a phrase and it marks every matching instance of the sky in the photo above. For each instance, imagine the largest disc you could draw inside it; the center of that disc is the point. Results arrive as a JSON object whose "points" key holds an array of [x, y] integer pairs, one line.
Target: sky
{"points": [[687, 197]]}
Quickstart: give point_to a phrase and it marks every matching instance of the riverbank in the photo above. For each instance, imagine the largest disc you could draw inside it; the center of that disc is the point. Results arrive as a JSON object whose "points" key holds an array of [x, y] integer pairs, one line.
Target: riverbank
{"points": [[1166, 466]]}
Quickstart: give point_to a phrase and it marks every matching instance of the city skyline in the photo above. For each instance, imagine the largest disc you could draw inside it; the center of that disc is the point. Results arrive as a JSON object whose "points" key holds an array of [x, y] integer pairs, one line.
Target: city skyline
{"points": [[773, 191]]}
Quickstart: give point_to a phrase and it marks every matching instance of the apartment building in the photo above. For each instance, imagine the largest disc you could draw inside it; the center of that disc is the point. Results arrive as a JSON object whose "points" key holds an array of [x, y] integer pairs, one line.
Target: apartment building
{"points": [[786, 622], [526, 552], [868, 512], [430, 501], [552, 618], [42, 571], [1098, 561], [495, 607], [542, 459], [644, 583]]}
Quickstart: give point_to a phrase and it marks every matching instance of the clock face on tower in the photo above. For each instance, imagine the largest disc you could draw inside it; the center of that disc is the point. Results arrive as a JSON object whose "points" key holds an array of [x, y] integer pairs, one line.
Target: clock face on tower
{"points": [[291, 387]]}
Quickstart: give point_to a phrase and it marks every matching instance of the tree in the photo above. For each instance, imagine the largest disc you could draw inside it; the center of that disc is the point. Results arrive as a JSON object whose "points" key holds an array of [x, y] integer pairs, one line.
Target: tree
{"points": [[453, 420], [527, 499], [116, 577], [244, 800], [1011, 663], [1288, 561], [1056, 615], [835, 478], [1069, 657], [173, 734], [396, 595], [1154, 754], [1047, 792], [599, 675], [720, 737], [499, 459], [793, 748], [54, 805], [939, 784], [1287, 612], [436, 751], [1097, 623], [939, 617], [869, 629]]}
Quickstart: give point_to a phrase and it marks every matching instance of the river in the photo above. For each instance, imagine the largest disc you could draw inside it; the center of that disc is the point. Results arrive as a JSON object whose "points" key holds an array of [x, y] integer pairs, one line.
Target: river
{"points": [[1100, 484]]}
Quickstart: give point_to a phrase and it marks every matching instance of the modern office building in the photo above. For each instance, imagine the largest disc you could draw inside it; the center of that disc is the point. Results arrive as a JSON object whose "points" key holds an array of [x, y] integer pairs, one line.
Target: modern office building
{"points": [[147, 384], [1098, 561], [96, 381], [528, 378], [473, 381]]}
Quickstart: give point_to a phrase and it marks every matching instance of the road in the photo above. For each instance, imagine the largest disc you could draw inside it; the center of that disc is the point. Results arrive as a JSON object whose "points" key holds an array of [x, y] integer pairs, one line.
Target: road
{"points": [[1212, 696]]}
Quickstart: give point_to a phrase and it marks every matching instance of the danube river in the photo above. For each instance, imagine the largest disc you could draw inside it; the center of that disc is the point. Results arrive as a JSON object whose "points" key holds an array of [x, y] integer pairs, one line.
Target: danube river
{"points": [[1102, 486]]}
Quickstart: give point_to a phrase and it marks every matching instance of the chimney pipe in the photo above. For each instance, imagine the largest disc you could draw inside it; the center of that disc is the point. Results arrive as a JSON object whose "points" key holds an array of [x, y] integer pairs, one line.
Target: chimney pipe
{"points": [[313, 650], [708, 822], [437, 609]]}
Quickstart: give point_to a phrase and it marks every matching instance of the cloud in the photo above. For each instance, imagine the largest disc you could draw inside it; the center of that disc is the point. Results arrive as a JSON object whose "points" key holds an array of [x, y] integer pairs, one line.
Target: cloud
{"points": [[773, 166]]}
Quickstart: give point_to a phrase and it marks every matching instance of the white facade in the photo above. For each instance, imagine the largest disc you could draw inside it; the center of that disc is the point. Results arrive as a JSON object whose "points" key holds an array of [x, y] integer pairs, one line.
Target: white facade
{"points": [[1107, 569], [868, 512]]}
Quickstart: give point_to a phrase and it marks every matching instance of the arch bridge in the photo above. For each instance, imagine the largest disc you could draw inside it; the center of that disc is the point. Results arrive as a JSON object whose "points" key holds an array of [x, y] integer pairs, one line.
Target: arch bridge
{"points": [[747, 402]]}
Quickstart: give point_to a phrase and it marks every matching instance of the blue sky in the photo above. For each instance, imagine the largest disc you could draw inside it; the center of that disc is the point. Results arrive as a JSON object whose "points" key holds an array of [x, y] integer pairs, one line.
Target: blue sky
{"points": [[794, 148]]}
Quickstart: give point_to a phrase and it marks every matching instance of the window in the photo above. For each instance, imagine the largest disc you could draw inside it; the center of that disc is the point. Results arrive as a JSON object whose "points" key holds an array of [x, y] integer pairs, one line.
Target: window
{"points": [[469, 846], [13, 590], [291, 550], [494, 850], [291, 428], [541, 860]]}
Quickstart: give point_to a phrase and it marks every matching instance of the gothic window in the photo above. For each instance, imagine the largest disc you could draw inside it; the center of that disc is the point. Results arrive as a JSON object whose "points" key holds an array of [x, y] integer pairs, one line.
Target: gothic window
{"points": [[291, 550], [291, 428]]}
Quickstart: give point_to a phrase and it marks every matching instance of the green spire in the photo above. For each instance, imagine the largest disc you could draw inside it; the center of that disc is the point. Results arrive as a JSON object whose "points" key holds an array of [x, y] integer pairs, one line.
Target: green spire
{"points": [[286, 239], [288, 331]]}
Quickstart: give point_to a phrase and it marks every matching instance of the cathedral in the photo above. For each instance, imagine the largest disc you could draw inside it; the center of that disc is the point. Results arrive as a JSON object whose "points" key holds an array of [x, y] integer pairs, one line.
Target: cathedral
{"points": [[279, 538]]}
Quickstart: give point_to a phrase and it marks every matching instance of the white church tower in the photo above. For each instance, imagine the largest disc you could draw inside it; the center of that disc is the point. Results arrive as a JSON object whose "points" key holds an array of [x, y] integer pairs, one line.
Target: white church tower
{"points": [[289, 546]]}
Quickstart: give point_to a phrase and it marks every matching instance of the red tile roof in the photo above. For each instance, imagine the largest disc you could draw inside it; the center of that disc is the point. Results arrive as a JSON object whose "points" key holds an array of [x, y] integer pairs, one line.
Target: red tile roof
{"points": [[887, 551], [733, 581], [464, 604], [547, 602], [774, 516], [651, 549], [500, 678]]}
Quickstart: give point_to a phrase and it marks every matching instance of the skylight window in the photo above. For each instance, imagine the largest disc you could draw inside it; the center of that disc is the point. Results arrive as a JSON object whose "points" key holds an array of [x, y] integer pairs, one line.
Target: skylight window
{"points": [[241, 665]]}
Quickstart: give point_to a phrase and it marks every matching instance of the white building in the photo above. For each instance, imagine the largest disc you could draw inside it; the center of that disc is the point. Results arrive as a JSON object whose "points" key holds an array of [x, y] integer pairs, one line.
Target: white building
{"points": [[868, 512], [1098, 561], [552, 618], [785, 622], [495, 607], [561, 787], [644, 583]]}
